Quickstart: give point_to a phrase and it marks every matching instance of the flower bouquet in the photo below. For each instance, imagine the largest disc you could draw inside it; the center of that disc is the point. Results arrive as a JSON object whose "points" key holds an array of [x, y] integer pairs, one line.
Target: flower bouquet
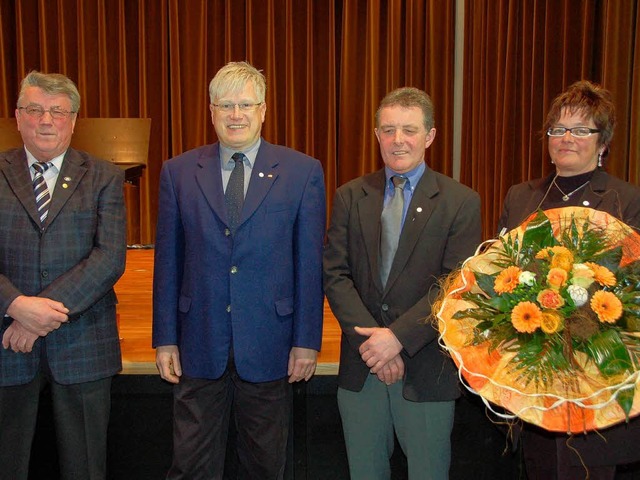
{"points": [[545, 322]]}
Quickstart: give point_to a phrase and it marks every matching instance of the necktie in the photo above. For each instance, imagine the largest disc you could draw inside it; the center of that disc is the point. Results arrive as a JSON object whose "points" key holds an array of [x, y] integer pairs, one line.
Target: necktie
{"points": [[234, 195], [43, 198], [391, 220]]}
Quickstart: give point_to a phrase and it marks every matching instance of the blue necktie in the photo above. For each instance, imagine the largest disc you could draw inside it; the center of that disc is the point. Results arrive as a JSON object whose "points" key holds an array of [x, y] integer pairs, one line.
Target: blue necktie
{"points": [[234, 195], [391, 220], [43, 198]]}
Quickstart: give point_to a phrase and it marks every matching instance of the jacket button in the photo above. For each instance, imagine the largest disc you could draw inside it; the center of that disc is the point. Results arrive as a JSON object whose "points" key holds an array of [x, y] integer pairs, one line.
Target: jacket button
{"points": [[227, 232], [234, 269], [228, 308], [385, 307], [45, 274]]}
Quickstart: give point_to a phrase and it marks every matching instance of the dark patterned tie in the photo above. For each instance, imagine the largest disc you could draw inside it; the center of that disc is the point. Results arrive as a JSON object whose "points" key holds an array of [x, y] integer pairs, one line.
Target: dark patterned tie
{"points": [[234, 195], [391, 220], [43, 198]]}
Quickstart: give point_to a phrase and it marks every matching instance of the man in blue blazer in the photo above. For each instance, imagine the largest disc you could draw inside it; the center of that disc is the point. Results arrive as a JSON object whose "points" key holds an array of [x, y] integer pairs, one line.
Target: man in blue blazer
{"points": [[393, 376], [237, 285], [62, 249]]}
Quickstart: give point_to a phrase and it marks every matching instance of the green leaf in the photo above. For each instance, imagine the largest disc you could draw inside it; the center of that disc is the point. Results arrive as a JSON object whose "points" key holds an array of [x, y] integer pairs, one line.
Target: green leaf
{"points": [[609, 258], [625, 400], [539, 232], [609, 353], [485, 282]]}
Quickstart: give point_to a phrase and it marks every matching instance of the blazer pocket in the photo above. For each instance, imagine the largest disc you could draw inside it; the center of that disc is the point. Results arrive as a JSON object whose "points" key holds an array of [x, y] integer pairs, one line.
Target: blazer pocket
{"points": [[184, 304], [284, 306], [276, 207]]}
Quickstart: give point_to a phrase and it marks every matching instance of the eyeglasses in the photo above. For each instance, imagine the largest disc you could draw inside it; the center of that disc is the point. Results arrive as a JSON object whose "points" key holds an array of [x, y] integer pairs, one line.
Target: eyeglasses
{"points": [[37, 111], [230, 107], [579, 132]]}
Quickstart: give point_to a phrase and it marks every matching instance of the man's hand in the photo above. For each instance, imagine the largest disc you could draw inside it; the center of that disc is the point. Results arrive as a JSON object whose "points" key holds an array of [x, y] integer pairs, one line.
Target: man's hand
{"points": [[393, 371], [302, 364], [38, 315], [168, 363], [381, 346], [18, 338]]}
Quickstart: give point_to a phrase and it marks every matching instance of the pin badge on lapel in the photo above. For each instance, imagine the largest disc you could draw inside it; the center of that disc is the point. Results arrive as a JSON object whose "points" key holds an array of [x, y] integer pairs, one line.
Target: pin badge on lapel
{"points": [[261, 174]]}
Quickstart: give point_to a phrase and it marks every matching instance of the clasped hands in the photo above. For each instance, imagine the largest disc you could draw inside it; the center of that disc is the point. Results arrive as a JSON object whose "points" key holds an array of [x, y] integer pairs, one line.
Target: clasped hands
{"points": [[381, 353], [33, 317]]}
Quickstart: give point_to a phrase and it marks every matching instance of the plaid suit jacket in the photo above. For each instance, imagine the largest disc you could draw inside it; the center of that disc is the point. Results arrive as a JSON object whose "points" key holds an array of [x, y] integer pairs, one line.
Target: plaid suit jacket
{"points": [[75, 258]]}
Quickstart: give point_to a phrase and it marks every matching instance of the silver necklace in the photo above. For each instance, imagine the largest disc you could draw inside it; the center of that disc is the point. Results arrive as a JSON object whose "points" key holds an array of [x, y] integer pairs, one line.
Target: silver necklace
{"points": [[565, 196]]}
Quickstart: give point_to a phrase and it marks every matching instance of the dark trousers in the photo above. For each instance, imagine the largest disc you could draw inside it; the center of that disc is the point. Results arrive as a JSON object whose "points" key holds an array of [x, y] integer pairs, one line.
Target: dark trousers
{"points": [[202, 411], [81, 417]]}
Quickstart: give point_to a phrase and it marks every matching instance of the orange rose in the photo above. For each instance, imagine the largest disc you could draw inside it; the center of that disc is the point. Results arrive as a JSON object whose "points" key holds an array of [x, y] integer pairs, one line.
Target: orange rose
{"points": [[561, 257], [557, 277], [549, 298], [551, 322]]}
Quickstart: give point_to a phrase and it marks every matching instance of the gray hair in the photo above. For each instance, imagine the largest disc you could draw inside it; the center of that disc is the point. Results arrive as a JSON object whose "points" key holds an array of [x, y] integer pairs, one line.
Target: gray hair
{"points": [[51, 84], [408, 97], [233, 77]]}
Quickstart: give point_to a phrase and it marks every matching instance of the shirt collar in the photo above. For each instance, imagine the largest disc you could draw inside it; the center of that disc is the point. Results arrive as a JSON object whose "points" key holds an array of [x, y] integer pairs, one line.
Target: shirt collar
{"points": [[249, 153], [55, 161], [413, 176]]}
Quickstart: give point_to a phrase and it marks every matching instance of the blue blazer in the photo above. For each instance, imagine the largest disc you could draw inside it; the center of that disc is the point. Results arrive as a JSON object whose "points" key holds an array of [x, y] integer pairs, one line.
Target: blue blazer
{"points": [[75, 259], [258, 292]]}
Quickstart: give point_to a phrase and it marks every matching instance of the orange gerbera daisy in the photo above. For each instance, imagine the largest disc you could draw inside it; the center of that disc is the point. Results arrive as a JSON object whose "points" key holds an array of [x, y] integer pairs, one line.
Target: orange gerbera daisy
{"points": [[507, 280], [607, 306], [526, 317], [602, 275]]}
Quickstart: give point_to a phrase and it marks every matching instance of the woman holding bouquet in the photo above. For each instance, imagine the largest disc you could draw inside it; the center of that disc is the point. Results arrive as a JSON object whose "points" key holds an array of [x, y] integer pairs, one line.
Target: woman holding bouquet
{"points": [[579, 128]]}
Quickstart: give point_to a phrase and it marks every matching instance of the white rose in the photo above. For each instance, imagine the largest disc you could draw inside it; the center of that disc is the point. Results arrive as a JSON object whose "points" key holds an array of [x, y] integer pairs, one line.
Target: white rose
{"points": [[581, 275], [527, 278], [578, 294]]}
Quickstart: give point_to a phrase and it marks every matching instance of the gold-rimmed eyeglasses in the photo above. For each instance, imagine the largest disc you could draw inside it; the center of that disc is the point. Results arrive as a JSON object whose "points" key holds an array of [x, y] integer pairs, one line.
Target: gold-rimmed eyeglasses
{"points": [[37, 111]]}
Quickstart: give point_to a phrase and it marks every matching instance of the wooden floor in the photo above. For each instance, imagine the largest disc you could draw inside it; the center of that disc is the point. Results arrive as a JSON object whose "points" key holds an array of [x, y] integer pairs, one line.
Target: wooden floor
{"points": [[134, 291]]}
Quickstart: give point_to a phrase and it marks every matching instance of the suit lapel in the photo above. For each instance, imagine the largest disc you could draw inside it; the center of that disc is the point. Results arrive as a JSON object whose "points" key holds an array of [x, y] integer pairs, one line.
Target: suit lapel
{"points": [[73, 169], [263, 174], [593, 195], [209, 179], [19, 180], [369, 211]]}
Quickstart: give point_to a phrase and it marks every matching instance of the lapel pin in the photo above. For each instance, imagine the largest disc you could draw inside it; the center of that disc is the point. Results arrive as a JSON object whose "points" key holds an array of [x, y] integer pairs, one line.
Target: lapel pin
{"points": [[64, 185], [585, 203], [270, 176], [419, 209], [67, 179], [261, 174]]}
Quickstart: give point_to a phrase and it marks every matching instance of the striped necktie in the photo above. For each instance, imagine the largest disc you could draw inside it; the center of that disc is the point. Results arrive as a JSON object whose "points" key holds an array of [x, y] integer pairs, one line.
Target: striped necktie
{"points": [[43, 197]]}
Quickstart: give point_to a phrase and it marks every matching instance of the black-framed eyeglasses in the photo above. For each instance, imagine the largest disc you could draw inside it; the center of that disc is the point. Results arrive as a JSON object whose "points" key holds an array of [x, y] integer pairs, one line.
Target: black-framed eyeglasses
{"points": [[37, 111], [579, 132], [230, 107]]}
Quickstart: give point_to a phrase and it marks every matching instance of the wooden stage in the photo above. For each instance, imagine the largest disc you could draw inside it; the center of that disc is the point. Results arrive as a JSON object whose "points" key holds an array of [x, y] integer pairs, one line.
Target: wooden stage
{"points": [[134, 291]]}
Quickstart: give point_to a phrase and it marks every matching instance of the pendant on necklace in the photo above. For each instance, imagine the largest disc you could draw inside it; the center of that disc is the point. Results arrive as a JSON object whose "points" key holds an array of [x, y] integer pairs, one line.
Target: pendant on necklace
{"points": [[565, 198]]}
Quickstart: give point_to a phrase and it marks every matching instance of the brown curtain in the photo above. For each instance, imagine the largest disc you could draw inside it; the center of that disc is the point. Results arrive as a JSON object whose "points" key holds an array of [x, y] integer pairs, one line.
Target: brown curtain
{"points": [[518, 56], [327, 63]]}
